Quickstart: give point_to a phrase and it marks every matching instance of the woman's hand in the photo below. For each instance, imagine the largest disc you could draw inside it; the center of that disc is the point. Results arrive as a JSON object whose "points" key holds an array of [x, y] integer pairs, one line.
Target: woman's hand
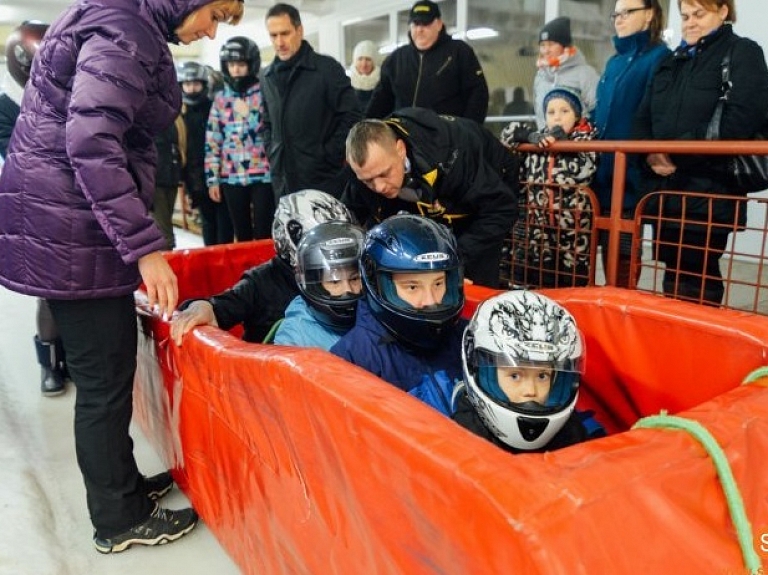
{"points": [[160, 281], [661, 164], [199, 312]]}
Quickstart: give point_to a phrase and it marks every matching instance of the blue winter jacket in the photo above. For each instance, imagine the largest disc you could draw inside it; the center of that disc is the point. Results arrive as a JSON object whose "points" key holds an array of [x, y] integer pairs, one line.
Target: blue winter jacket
{"points": [[299, 327], [619, 92], [428, 376], [78, 180]]}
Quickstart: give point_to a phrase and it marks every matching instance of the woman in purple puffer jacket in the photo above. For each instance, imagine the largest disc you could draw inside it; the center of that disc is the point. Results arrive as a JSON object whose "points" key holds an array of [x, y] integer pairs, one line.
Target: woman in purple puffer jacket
{"points": [[75, 226]]}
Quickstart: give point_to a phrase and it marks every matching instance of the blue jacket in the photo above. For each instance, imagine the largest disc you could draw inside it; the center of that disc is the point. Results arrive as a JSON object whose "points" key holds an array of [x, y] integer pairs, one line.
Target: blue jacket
{"points": [[619, 92], [428, 376], [79, 177], [300, 328]]}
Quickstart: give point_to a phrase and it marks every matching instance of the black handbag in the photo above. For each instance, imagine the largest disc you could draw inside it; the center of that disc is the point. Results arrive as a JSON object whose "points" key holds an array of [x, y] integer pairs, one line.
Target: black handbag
{"points": [[743, 173]]}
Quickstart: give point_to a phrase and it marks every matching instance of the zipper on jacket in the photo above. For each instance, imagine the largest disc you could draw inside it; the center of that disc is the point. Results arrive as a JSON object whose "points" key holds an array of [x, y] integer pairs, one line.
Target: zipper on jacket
{"points": [[418, 79]]}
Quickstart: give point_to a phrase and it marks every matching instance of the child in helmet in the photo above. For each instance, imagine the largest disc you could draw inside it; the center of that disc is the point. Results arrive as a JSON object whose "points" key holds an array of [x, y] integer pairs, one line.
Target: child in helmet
{"points": [[552, 236], [236, 167], [522, 356], [408, 329], [328, 276], [259, 299]]}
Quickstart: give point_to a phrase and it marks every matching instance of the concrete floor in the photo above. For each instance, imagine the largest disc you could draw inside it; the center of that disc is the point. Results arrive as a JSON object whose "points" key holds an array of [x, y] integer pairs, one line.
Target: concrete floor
{"points": [[45, 525]]}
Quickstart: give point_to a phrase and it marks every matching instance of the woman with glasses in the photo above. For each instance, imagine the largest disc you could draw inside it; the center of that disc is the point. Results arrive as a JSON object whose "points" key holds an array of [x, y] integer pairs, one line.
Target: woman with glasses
{"points": [[679, 105], [639, 47]]}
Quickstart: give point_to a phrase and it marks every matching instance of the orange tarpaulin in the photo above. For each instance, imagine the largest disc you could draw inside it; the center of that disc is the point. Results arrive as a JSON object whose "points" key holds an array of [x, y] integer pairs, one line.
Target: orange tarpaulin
{"points": [[302, 463]]}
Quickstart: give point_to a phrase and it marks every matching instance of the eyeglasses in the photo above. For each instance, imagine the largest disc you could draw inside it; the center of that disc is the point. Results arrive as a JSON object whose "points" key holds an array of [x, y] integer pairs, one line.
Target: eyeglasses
{"points": [[624, 14]]}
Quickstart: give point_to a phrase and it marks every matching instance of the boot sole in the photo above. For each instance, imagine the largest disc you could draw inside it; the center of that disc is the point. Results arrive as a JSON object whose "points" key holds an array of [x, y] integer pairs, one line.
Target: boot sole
{"points": [[159, 540], [54, 393]]}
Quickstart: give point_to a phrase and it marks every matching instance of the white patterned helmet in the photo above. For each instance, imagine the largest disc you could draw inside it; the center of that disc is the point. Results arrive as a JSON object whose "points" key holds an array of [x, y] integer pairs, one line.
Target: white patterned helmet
{"points": [[521, 330], [299, 212]]}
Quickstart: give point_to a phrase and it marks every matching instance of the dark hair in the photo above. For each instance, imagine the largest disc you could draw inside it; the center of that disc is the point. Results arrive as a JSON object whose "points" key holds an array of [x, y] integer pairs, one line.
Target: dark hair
{"points": [[656, 26], [716, 5], [285, 10]]}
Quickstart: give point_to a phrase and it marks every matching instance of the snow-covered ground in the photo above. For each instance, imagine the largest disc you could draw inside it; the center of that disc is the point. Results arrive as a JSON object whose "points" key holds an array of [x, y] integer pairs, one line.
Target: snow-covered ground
{"points": [[45, 526]]}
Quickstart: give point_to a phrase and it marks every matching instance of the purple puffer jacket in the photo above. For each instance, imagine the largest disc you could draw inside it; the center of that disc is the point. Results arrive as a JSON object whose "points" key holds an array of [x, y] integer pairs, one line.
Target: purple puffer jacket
{"points": [[79, 176]]}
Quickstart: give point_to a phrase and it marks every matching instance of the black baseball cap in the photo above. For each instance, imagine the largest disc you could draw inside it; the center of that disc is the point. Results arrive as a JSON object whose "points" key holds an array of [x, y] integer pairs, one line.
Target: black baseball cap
{"points": [[424, 12]]}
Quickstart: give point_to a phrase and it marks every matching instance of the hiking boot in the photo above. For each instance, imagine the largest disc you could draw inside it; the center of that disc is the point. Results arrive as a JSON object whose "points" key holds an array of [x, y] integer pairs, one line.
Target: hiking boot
{"points": [[158, 485], [49, 354], [161, 527]]}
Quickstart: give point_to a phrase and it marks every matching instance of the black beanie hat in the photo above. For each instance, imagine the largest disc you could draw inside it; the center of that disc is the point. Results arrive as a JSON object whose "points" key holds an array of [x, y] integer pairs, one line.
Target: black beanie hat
{"points": [[557, 30]]}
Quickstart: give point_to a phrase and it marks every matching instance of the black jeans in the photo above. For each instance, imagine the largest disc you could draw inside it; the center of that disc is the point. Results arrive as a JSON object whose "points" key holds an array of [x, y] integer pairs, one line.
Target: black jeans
{"points": [[252, 209], [100, 339], [216, 222]]}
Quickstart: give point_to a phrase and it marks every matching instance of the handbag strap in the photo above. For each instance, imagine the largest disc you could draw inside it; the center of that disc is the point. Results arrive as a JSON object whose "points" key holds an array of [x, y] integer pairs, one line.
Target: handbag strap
{"points": [[713, 129]]}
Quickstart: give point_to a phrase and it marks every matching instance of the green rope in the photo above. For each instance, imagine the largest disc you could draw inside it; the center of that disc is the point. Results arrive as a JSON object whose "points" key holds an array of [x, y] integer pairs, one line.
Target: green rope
{"points": [[723, 468], [759, 373]]}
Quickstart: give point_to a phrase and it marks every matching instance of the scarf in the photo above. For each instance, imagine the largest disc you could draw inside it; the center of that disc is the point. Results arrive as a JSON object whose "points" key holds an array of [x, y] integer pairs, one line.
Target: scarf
{"points": [[557, 61], [365, 83]]}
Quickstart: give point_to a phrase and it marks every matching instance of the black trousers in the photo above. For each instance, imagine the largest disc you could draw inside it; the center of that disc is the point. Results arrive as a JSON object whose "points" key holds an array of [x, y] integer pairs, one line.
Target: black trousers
{"points": [[100, 339], [216, 222], [252, 209], [692, 258]]}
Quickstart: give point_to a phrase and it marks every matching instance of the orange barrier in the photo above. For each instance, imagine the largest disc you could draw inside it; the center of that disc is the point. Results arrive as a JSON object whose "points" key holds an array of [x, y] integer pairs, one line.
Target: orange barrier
{"points": [[301, 463]]}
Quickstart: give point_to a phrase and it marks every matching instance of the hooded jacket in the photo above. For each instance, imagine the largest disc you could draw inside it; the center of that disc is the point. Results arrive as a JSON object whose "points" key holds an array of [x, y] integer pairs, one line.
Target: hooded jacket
{"points": [[574, 73], [78, 180], [446, 78]]}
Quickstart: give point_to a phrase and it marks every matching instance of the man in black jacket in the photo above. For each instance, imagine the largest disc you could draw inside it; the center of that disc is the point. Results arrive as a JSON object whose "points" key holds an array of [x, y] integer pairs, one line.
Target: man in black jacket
{"points": [[432, 71], [446, 168], [309, 106]]}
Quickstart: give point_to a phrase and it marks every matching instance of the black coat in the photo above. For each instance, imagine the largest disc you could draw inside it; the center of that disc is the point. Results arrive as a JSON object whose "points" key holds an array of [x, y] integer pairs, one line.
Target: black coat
{"points": [[257, 300], [446, 78], [679, 103], [474, 183], [306, 121], [9, 111], [193, 174]]}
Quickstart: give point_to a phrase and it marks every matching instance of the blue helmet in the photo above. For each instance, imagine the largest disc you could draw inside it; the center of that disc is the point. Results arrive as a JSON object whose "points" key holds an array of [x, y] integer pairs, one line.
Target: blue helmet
{"points": [[412, 244]]}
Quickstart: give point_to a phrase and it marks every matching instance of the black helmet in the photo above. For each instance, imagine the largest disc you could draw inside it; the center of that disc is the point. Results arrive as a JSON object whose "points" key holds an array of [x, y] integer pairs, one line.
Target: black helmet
{"points": [[327, 255], [21, 47], [193, 72], [412, 244], [240, 49]]}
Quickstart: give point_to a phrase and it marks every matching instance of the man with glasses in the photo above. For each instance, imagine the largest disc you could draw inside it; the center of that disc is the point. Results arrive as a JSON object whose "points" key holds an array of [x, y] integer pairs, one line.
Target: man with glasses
{"points": [[432, 71]]}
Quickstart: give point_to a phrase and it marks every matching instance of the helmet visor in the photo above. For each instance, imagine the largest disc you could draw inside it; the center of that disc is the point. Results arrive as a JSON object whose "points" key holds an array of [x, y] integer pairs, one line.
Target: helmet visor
{"points": [[526, 386]]}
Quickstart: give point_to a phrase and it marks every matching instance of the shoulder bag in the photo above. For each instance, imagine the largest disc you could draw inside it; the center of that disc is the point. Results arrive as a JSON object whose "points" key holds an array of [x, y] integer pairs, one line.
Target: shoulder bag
{"points": [[743, 173]]}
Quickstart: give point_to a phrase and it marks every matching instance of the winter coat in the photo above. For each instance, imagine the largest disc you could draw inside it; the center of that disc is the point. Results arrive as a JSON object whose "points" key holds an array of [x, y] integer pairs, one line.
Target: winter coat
{"points": [[574, 73], [428, 376], [552, 238], [446, 78], [169, 160], [9, 111], [307, 122], [627, 75], [468, 180], [300, 328], [80, 173], [679, 104], [579, 427], [257, 300], [234, 147], [195, 120]]}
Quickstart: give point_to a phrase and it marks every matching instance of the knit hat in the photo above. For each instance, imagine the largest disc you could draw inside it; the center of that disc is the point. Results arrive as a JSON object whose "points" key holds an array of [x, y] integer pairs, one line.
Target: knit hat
{"points": [[557, 30], [570, 95], [364, 49], [424, 12]]}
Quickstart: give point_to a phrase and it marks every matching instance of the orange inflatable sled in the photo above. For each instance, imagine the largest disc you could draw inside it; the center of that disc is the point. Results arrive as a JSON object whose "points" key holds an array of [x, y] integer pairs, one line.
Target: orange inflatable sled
{"points": [[302, 463]]}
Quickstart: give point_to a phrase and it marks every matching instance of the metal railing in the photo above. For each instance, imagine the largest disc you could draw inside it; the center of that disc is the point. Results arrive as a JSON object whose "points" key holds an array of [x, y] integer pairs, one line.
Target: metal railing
{"points": [[743, 272]]}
